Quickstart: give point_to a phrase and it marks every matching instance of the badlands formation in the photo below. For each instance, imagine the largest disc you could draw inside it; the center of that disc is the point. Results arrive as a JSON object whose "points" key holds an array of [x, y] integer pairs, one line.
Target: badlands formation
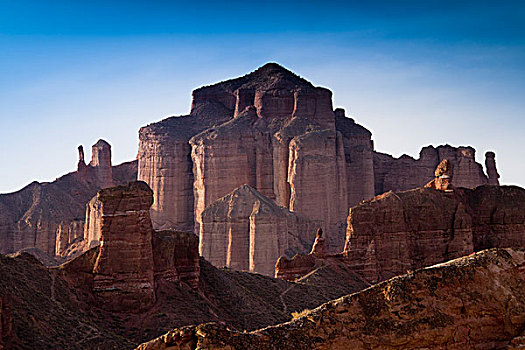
{"points": [[257, 166], [244, 182], [278, 134]]}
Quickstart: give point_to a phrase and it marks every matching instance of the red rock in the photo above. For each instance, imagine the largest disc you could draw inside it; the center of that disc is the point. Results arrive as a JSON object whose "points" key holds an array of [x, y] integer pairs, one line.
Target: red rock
{"points": [[101, 163], [279, 134], [176, 257], [397, 232], [443, 180], [319, 247], [123, 271], [399, 174], [66, 234], [247, 231]]}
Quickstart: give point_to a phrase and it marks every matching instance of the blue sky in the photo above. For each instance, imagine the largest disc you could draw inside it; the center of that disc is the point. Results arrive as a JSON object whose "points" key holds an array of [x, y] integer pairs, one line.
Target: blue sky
{"points": [[414, 72]]}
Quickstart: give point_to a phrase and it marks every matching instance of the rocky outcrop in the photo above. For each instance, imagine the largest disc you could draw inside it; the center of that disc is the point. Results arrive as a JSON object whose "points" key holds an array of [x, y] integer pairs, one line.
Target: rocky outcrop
{"points": [[247, 231], [397, 232], [129, 258], [490, 165], [359, 158], [401, 231], [443, 180], [476, 301], [66, 234], [399, 174], [123, 270], [49, 216], [262, 130], [277, 133]]}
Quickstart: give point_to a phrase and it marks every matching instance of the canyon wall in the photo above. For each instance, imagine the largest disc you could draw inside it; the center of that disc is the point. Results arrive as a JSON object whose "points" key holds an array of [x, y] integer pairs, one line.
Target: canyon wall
{"points": [[277, 133], [49, 216]]}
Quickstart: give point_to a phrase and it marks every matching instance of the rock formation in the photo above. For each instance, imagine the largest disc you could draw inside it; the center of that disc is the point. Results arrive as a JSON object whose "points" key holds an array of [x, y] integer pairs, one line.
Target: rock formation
{"points": [[319, 247], [123, 270], [399, 174], [490, 165], [176, 257], [49, 216], [132, 256], [247, 231], [473, 302], [443, 180], [104, 297], [396, 232], [400, 231], [277, 133], [101, 163]]}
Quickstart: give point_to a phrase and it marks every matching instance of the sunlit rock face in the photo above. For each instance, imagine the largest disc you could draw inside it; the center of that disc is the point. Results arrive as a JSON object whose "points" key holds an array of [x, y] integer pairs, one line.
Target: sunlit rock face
{"points": [[279, 134], [247, 231]]}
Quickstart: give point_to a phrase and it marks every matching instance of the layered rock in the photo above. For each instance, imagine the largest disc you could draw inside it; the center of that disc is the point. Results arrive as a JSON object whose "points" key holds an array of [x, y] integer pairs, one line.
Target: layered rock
{"points": [[359, 158], [279, 134], [398, 174], [66, 234], [129, 257], [123, 271], [176, 257], [476, 301], [247, 231], [262, 130], [271, 107], [396, 232], [49, 216]]}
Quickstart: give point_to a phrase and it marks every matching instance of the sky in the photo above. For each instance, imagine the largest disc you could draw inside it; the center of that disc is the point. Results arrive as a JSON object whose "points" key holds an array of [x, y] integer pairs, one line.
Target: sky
{"points": [[414, 73]]}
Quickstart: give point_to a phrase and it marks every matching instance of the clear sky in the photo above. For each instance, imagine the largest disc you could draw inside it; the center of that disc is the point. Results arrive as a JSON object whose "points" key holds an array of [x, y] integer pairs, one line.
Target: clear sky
{"points": [[413, 72]]}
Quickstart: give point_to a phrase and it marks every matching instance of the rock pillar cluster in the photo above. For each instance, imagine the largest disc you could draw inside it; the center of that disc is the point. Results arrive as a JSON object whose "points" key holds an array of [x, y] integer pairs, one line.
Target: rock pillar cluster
{"points": [[277, 133]]}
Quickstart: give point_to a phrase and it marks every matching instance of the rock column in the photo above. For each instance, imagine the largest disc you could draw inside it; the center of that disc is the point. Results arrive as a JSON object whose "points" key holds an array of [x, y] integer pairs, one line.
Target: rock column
{"points": [[123, 270]]}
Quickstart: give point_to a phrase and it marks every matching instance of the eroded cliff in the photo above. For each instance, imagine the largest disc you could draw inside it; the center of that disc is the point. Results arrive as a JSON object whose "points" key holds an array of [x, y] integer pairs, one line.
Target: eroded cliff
{"points": [[279, 134]]}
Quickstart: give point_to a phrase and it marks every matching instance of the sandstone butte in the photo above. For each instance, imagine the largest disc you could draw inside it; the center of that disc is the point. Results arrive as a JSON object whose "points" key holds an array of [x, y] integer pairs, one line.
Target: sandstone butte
{"points": [[472, 302], [278, 134], [135, 284], [47, 218]]}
